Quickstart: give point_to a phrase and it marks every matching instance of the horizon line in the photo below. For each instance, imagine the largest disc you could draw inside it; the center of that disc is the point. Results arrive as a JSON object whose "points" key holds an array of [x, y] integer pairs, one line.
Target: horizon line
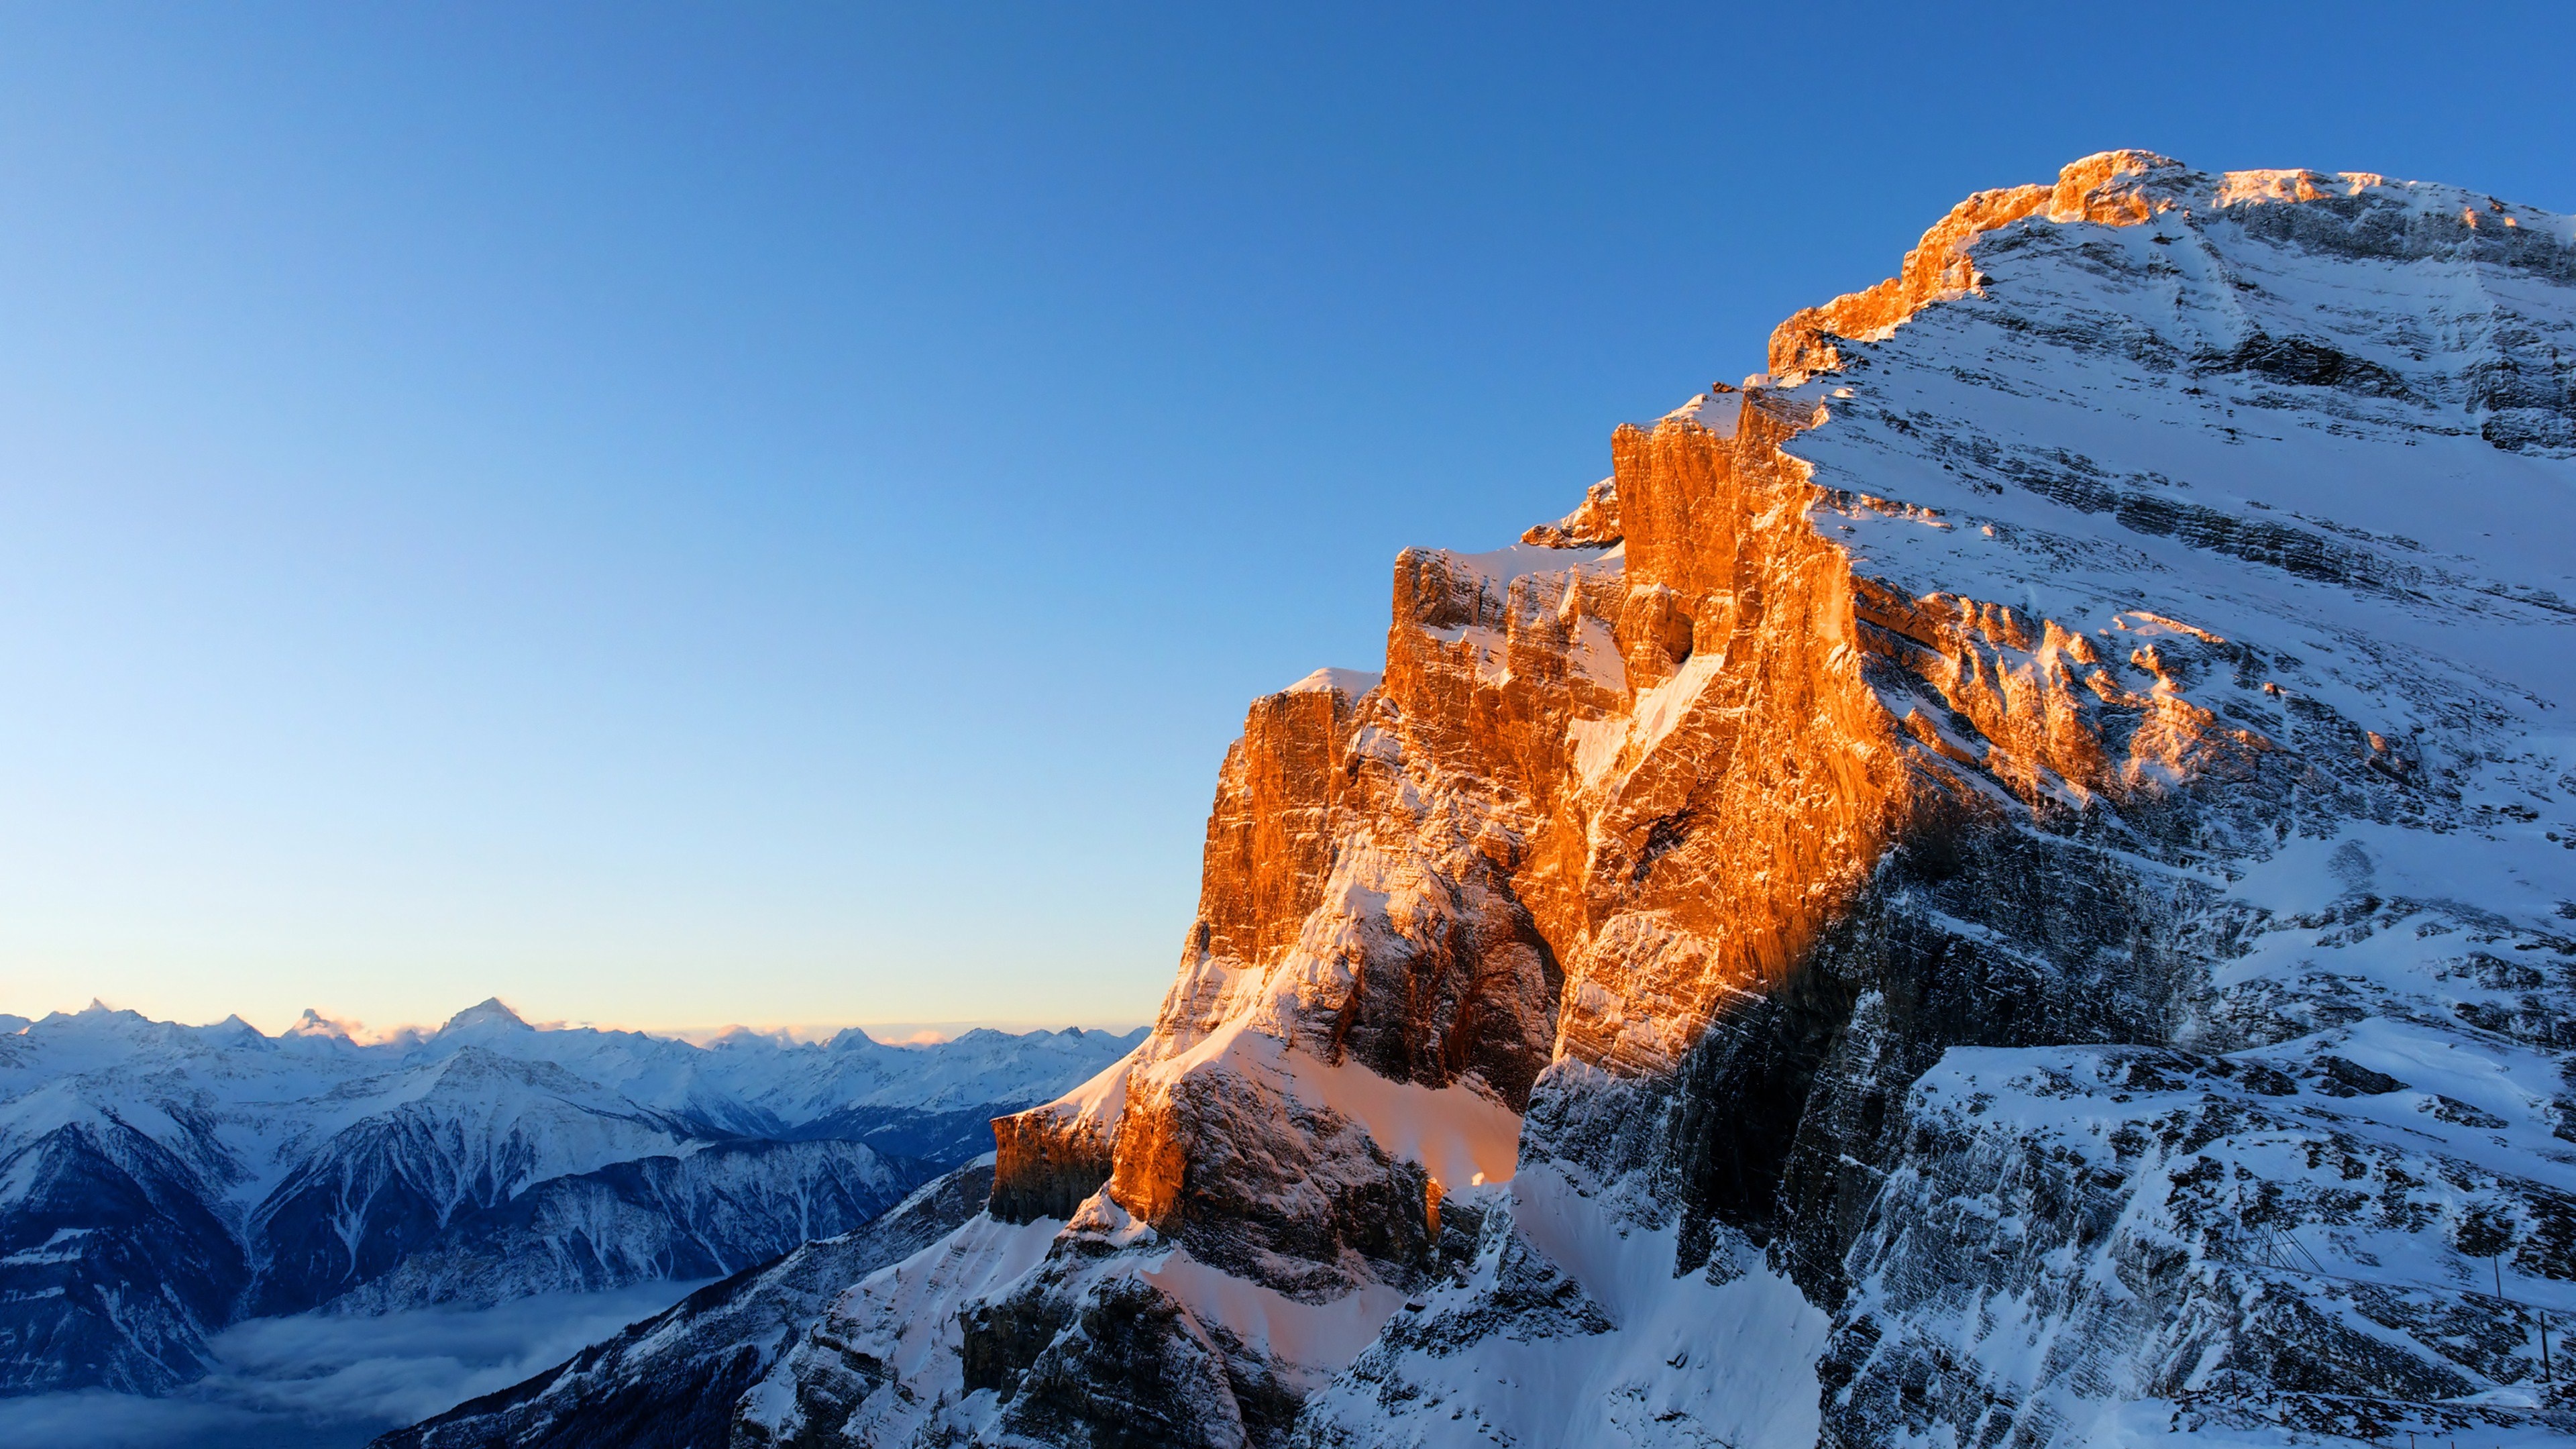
{"points": [[914, 1031]]}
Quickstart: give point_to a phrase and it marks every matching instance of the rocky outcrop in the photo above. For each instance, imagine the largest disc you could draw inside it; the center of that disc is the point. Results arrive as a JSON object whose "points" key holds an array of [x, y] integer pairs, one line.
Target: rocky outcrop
{"points": [[2001, 883], [2115, 188], [1594, 522]]}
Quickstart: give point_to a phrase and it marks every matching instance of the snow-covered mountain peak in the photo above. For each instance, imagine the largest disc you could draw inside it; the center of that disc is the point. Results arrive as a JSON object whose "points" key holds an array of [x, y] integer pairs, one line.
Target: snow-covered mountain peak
{"points": [[314, 1026], [483, 1017], [232, 1031], [215, 1171], [2258, 271], [99, 1019], [855, 1040], [2025, 899]]}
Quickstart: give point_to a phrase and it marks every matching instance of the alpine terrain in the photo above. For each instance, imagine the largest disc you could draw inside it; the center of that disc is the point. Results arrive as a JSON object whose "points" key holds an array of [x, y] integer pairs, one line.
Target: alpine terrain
{"points": [[2009, 880], [159, 1182]]}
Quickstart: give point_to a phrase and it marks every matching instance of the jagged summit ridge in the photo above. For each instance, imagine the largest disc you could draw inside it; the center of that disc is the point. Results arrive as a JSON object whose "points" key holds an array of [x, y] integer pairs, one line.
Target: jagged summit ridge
{"points": [[2006, 881], [2501, 361]]}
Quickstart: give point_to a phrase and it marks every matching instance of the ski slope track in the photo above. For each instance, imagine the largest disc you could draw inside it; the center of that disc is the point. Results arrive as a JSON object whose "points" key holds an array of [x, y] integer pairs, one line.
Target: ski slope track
{"points": [[159, 1182], [2010, 879]]}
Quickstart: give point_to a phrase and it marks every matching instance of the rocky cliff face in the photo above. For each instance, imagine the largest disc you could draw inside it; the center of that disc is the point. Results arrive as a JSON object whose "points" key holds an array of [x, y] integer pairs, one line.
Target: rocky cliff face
{"points": [[2001, 883]]}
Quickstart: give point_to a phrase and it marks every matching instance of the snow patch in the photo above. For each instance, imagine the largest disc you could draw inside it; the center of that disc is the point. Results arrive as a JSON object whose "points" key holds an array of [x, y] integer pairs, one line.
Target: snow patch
{"points": [[1353, 682]]}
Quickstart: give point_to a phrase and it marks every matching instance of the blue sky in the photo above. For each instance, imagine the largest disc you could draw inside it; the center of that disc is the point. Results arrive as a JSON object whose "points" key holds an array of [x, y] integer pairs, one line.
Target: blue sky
{"points": [[683, 515]]}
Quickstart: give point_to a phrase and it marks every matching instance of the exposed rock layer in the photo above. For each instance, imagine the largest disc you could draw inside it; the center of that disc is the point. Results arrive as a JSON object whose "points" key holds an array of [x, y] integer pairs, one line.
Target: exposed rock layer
{"points": [[2008, 875]]}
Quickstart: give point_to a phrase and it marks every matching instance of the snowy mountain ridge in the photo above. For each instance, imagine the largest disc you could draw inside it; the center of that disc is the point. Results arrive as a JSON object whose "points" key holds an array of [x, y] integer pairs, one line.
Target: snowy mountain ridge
{"points": [[159, 1180], [2006, 881]]}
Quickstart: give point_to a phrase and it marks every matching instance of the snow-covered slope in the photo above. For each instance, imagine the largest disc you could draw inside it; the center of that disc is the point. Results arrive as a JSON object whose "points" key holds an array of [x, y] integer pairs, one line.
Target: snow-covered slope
{"points": [[2014, 873], [672, 1381], [158, 1181]]}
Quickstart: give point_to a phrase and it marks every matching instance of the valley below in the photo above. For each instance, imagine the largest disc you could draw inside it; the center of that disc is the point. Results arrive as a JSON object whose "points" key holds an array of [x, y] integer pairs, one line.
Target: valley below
{"points": [[208, 1231]]}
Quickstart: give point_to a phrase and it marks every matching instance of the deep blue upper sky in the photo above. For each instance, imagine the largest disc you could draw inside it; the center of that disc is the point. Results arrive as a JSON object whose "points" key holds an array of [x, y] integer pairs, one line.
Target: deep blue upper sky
{"points": [[679, 515]]}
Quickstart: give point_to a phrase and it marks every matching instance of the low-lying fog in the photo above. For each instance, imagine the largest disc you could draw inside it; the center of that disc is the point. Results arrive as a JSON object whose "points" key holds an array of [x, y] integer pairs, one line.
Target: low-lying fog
{"points": [[318, 1382]]}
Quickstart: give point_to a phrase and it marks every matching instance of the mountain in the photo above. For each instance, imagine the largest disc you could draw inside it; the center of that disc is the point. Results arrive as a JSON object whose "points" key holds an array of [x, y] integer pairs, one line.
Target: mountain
{"points": [[670, 1382], [2006, 881], [158, 1182]]}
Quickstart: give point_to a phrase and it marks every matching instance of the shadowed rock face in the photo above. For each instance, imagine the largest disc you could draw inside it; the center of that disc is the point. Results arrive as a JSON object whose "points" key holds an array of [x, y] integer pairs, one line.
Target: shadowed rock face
{"points": [[2003, 877], [95, 1211]]}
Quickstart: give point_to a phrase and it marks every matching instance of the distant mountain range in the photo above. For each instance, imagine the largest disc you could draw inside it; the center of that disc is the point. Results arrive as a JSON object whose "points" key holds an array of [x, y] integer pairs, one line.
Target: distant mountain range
{"points": [[158, 1181]]}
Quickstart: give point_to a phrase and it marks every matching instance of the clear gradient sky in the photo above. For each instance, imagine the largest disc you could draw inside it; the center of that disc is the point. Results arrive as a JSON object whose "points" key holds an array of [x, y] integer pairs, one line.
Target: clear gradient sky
{"points": [[772, 513]]}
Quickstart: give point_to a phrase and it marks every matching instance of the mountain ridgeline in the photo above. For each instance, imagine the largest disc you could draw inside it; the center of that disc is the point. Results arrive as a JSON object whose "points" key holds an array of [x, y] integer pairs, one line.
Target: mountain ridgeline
{"points": [[158, 1182], [2007, 880]]}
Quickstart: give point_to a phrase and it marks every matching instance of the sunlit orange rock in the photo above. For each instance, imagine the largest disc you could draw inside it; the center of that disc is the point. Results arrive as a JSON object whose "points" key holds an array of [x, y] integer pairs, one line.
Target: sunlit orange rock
{"points": [[1645, 819]]}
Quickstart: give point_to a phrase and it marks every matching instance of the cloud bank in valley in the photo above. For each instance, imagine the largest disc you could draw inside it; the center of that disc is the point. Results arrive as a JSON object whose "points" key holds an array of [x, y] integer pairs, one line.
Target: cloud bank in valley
{"points": [[316, 1381]]}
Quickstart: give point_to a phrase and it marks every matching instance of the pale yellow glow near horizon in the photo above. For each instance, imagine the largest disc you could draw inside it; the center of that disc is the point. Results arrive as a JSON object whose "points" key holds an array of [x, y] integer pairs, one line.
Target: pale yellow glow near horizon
{"points": [[806, 999], [892, 1033]]}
